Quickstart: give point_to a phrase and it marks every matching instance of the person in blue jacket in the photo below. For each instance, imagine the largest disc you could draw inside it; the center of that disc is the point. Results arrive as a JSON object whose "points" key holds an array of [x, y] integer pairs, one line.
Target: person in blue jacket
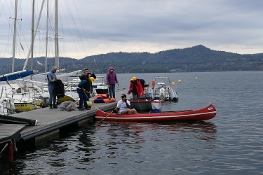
{"points": [[51, 77], [84, 92]]}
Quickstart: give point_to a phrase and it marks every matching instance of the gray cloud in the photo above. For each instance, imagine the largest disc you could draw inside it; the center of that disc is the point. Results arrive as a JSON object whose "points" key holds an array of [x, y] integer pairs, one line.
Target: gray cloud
{"points": [[90, 27]]}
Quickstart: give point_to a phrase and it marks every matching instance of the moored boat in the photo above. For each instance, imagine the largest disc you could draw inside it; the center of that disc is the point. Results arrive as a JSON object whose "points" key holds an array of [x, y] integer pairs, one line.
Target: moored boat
{"points": [[99, 85], [24, 106], [206, 113], [162, 89]]}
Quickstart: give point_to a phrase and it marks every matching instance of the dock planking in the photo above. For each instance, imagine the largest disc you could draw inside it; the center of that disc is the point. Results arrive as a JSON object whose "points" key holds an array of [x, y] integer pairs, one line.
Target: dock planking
{"points": [[53, 120], [50, 122], [10, 131]]}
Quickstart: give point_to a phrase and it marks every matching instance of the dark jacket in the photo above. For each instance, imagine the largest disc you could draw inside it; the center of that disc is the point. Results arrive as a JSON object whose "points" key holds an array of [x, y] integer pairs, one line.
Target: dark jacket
{"points": [[84, 84], [86, 77], [59, 88]]}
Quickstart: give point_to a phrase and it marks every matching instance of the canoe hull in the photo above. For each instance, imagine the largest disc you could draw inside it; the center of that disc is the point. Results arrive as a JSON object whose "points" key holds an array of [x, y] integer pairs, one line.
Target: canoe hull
{"points": [[206, 113]]}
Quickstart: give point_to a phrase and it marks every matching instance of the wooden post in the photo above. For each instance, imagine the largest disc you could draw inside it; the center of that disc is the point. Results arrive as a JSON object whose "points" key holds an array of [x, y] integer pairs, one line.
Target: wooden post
{"points": [[10, 152]]}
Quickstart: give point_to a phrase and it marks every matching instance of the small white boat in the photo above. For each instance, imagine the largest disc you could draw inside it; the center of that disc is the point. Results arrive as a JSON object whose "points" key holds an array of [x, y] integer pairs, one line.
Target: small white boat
{"points": [[26, 94], [99, 85], [162, 90]]}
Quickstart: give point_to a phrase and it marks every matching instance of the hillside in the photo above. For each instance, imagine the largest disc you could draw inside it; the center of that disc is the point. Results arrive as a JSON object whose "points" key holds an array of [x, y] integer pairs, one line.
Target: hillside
{"points": [[197, 58]]}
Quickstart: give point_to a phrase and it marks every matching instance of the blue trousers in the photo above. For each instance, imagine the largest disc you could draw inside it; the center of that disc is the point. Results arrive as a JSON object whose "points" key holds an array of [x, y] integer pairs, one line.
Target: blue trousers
{"points": [[83, 98], [112, 91], [52, 94]]}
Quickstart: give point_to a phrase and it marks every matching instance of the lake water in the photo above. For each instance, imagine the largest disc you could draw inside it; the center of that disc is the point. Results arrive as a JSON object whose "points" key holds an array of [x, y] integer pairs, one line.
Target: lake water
{"points": [[231, 143]]}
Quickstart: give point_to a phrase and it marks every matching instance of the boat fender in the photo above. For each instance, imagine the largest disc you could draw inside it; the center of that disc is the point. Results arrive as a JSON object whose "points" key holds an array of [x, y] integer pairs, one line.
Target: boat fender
{"points": [[153, 84], [89, 103]]}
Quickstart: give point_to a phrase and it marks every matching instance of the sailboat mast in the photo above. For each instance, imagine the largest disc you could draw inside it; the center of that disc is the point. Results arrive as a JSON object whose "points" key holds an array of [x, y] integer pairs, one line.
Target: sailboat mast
{"points": [[56, 35], [14, 38], [32, 36], [40, 13], [47, 35], [32, 33]]}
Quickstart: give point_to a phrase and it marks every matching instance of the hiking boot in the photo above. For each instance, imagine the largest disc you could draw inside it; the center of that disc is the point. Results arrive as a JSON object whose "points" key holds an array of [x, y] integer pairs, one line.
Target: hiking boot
{"points": [[50, 106], [87, 108], [81, 109], [55, 106]]}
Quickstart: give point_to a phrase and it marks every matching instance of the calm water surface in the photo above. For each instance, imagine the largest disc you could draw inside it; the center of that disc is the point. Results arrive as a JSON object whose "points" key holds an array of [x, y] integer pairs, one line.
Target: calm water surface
{"points": [[231, 143]]}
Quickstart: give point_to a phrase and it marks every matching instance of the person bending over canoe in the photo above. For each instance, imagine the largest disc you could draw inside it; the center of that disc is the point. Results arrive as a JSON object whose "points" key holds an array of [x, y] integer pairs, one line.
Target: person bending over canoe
{"points": [[123, 106], [136, 88]]}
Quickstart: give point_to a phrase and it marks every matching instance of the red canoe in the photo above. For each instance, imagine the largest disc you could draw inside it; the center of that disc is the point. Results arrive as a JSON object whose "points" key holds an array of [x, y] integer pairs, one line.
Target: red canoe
{"points": [[206, 113]]}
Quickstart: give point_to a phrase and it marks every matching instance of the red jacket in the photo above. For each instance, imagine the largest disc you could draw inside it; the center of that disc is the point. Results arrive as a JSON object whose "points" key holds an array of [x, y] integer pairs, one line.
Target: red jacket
{"points": [[139, 88]]}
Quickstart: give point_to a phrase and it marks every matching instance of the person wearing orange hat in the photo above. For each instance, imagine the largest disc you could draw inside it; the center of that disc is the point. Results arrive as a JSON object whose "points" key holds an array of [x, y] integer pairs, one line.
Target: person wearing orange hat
{"points": [[136, 88]]}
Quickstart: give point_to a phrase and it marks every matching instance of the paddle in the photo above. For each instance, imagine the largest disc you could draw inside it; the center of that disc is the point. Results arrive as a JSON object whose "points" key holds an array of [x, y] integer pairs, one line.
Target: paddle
{"points": [[99, 124]]}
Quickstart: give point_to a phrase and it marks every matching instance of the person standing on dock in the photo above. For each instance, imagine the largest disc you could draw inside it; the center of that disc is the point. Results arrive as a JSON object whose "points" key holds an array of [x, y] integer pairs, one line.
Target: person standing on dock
{"points": [[111, 79], [86, 76], [83, 90], [51, 76]]}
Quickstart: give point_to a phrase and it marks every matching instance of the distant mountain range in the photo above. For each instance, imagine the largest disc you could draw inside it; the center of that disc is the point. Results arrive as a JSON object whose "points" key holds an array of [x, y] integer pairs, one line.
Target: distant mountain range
{"points": [[194, 59]]}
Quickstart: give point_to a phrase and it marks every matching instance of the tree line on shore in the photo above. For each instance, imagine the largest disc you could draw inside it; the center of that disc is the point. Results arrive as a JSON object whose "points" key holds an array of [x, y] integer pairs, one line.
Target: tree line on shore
{"points": [[194, 59]]}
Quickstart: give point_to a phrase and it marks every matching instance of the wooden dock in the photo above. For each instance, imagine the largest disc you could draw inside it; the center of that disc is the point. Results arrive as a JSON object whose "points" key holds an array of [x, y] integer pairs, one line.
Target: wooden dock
{"points": [[10, 131], [50, 122]]}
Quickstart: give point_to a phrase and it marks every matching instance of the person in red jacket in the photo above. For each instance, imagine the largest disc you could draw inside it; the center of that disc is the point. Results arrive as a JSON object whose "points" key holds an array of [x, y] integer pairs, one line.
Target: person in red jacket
{"points": [[136, 88]]}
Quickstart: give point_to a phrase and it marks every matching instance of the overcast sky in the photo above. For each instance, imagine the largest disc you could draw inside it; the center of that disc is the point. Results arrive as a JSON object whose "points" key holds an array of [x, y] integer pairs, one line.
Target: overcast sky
{"points": [[90, 27]]}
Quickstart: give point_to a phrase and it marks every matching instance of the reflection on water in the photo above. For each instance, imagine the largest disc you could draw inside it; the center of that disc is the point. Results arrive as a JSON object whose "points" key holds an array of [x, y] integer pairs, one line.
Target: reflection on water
{"points": [[119, 145], [123, 144]]}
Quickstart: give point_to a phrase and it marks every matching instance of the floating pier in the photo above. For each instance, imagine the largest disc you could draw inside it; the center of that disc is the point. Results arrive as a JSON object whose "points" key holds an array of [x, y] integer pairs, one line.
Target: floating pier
{"points": [[44, 124]]}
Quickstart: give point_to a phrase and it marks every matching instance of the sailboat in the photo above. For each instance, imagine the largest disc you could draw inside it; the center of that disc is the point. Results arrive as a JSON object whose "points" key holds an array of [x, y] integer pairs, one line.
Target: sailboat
{"points": [[17, 91], [7, 106], [60, 75], [25, 96]]}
